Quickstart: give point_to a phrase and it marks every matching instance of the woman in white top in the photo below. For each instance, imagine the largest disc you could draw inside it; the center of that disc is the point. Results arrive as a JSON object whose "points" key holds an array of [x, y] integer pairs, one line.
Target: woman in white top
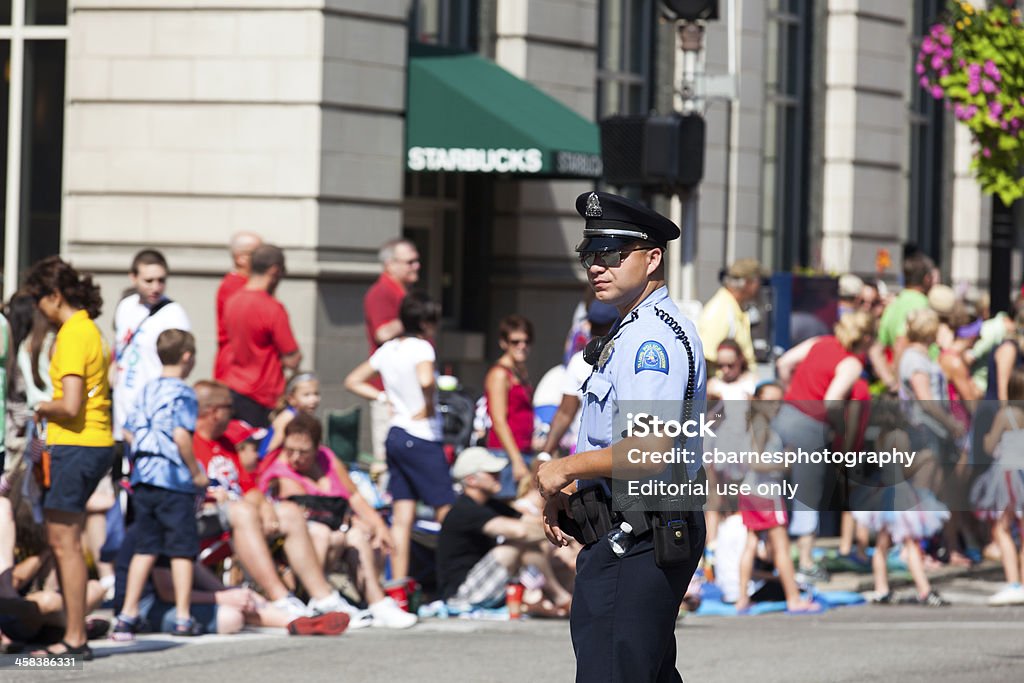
{"points": [[417, 465]]}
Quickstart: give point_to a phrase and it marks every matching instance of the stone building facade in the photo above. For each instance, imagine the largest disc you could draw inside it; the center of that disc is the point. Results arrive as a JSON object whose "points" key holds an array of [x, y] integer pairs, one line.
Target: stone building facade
{"points": [[185, 122]]}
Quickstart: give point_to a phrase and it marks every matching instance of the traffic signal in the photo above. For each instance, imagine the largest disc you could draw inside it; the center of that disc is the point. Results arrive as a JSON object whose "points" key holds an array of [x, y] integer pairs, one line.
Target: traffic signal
{"points": [[654, 151]]}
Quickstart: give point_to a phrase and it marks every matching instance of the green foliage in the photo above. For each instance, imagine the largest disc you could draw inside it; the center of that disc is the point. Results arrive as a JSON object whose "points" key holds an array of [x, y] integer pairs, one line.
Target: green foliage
{"points": [[975, 61]]}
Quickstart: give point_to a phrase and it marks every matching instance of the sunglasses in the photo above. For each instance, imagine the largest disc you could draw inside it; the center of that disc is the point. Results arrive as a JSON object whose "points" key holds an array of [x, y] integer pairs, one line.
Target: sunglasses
{"points": [[607, 259]]}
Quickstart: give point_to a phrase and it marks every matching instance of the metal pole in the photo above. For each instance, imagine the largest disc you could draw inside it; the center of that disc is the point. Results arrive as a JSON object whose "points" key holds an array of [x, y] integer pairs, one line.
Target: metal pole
{"points": [[677, 286], [732, 140], [684, 208], [689, 245]]}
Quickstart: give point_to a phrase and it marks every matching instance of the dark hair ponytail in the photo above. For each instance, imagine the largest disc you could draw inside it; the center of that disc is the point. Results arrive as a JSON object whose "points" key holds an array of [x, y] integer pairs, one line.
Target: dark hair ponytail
{"points": [[53, 274], [416, 311]]}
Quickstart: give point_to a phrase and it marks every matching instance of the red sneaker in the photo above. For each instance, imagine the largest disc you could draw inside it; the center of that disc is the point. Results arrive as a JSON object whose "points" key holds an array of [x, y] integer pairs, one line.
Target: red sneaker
{"points": [[329, 624]]}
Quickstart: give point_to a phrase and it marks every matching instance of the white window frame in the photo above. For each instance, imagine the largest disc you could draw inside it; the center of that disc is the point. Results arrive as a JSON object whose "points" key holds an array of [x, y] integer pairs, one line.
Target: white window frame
{"points": [[18, 33]]}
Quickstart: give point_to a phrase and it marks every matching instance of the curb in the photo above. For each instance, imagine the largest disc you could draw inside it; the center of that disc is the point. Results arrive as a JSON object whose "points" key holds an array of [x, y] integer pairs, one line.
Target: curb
{"points": [[861, 583]]}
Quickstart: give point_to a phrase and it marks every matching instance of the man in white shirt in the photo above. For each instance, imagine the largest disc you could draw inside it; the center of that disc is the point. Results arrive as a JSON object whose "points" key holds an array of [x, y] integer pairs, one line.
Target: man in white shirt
{"points": [[566, 421], [139, 319]]}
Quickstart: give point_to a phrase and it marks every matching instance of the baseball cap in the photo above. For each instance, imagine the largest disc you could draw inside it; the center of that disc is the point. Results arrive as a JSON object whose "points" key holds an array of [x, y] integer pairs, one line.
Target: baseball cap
{"points": [[942, 299], [240, 431], [746, 269], [600, 313], [850, 286], [477, 459]]}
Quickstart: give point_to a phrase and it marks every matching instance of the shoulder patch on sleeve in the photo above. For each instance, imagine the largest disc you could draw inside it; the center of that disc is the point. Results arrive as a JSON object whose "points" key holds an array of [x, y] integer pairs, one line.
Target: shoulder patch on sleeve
{"points": [[651, 356]]}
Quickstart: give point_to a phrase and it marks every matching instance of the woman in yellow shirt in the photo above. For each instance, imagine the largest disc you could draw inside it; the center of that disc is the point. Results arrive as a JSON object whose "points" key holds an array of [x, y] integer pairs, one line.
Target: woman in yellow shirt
{"points": [[78, 434]]}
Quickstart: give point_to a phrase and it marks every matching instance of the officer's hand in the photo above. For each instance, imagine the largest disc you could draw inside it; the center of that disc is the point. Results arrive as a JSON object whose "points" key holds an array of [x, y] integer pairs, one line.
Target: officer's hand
{"points": [[552, 530], [551, 478]]}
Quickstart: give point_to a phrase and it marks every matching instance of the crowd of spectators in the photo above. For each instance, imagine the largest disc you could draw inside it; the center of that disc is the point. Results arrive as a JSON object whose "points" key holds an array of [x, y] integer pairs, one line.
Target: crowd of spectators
{"points": [[924, 371], [202, 507]]}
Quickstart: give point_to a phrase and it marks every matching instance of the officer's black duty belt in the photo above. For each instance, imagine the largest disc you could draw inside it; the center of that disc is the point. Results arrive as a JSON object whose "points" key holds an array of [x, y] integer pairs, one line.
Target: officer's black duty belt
{"points": [[592, 517]]}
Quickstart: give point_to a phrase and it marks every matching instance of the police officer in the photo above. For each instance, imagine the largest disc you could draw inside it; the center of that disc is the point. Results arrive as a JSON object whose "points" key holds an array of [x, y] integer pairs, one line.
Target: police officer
{"points": [[624, 608]]}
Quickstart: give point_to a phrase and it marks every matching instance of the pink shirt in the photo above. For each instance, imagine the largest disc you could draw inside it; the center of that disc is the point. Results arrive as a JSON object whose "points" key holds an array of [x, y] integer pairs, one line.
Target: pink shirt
{"points": [[279, 469]]}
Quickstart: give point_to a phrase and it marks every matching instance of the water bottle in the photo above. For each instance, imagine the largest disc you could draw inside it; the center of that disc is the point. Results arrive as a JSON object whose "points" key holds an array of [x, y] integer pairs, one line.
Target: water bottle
{"points": [[621, 539]]}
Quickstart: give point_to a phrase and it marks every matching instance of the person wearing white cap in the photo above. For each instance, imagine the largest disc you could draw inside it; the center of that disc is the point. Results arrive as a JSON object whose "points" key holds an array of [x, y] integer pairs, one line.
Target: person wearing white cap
{"points": [[850, 288], [473, 568]]}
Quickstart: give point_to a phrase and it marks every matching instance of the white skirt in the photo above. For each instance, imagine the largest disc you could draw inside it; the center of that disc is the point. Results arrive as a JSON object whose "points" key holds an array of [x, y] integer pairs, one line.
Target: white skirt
{"points": [[920, 514], [998, 488]]}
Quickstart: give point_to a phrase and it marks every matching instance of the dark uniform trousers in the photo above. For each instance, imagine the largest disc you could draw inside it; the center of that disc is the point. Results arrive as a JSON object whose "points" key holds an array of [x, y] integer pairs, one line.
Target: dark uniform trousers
{"points": [[624, 611]]}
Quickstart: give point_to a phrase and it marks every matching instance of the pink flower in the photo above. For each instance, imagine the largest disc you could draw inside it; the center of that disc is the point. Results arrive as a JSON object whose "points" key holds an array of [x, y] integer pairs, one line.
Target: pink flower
{"points": [[988, 86], [945, 38], [929, 46], [995, 110], [992, 71], [937, 92], [944, 72], [919, 69], [937, 62], [963, 63], [986, 152], [925, 83], [973, 87]]}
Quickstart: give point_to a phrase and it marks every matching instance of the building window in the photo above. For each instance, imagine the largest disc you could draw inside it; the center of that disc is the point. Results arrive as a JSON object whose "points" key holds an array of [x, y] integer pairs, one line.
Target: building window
{"points": [[33, 36], [625, 52], [787, 132], [447, 23], [927, 133]]}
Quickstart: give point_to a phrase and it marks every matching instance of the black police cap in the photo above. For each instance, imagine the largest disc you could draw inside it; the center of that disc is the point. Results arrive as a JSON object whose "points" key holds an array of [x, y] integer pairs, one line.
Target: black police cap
{"points": [[614, 221]]}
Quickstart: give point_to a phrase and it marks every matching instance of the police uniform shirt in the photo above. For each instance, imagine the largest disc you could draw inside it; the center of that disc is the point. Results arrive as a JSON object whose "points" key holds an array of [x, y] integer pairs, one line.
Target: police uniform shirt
{"points": [[643, 368]]}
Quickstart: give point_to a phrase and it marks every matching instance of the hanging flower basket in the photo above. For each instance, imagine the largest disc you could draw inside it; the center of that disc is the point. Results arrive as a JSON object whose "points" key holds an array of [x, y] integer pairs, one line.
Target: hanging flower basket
{"points": [[975, 61]]}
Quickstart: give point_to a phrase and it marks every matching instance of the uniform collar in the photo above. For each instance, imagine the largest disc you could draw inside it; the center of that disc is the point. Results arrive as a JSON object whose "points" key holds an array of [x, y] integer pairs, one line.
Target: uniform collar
{"points": [[654, 298]]}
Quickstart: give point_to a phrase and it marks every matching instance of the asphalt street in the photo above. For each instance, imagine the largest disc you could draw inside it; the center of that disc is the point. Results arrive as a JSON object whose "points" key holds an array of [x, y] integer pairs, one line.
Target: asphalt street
{"points": [[967, 641]]}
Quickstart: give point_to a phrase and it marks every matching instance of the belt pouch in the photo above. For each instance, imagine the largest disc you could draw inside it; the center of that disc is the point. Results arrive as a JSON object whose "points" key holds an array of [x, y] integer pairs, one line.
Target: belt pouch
{"points": [[671, 542]]}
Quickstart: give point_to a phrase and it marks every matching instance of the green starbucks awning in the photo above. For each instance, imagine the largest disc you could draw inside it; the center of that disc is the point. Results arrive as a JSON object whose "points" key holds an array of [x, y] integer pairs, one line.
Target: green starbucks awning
{"points": [[467, 114]]}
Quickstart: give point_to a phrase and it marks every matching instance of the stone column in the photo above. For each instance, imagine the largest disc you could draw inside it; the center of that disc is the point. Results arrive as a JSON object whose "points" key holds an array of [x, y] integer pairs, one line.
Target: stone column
{"points": [[866, 133], [972, 218], [553, 45]]}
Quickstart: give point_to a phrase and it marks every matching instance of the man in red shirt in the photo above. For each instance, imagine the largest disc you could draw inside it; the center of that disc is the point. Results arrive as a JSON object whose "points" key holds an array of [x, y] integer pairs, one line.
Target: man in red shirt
{"points": [[242, 246], [252, 518], [401, 269], [262, 343]]}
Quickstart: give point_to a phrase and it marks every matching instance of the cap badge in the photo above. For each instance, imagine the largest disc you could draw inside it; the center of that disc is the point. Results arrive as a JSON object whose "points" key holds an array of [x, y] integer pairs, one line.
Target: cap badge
{"points": [[593, 206]]}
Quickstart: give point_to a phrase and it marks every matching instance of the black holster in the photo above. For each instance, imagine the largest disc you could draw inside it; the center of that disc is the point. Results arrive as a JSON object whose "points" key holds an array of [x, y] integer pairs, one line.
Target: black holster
{"points": [[589, 519]]}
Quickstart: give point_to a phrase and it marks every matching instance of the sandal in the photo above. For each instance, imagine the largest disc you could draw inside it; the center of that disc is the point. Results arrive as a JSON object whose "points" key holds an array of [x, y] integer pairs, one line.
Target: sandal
{"points": [[187, 627], [886, 599], [124, 629], [83, 651], [806, 608]]}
